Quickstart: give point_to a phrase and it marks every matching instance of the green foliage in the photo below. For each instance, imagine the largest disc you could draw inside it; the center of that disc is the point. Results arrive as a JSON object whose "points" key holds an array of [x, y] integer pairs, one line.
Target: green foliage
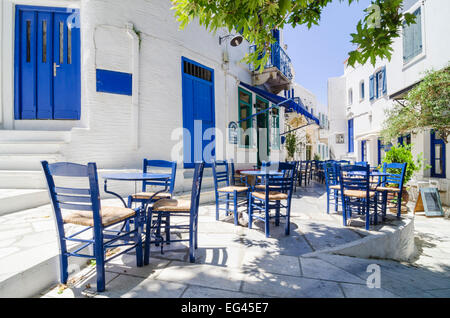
{"points": [[257, 18], [402, 154], [291, 145], [427, 106], [316, 157]]}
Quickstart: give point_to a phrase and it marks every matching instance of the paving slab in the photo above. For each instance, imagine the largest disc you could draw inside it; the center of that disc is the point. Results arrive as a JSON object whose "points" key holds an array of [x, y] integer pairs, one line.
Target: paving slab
{"points": [[289, 286], [205, 292], [316, 268]]}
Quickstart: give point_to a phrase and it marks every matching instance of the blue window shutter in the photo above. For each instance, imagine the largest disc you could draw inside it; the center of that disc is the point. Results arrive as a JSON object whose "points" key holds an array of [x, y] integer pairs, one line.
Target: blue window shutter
{"points": [[350, 136], [371, 87], [384, 81]]}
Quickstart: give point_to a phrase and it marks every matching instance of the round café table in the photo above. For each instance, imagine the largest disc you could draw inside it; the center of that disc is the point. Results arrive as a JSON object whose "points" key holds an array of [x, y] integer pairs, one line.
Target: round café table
{"points": [[134, 177]]}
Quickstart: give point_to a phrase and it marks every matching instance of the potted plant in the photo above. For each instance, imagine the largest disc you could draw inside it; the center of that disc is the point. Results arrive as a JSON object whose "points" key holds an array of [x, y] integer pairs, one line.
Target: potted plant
{"points": [[291, 145], [403, 154]]}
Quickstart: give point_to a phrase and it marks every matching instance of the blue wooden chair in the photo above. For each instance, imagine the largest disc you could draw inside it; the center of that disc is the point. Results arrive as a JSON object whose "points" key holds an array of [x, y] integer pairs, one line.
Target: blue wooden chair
{"points": [[332, 184], [356, 194], [276, 190], [107, 223], [224, 190], [392, 184], [303, 172], [361, 163], [187, 208], [163, 189], [146, 195], [236, 179]]}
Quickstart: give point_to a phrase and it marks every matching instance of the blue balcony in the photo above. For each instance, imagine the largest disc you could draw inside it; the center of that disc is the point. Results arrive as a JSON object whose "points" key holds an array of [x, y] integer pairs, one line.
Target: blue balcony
{"points": [[277, 73]]}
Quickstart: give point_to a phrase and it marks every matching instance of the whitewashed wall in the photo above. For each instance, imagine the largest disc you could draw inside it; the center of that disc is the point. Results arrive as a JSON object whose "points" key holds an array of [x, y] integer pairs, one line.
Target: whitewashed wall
{"points": [[370, 115]]}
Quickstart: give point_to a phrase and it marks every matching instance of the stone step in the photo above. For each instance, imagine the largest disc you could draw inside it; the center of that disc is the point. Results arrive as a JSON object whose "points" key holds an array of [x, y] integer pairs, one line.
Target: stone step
{"points": [[34, 135], [20, 179], [26, 162], [14, 200], [30, 147]]}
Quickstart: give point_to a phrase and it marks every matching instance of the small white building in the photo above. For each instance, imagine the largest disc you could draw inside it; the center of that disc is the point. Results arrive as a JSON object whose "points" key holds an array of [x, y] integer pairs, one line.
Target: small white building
{"points": [[358, 99], [115, 81], [312, 138]]}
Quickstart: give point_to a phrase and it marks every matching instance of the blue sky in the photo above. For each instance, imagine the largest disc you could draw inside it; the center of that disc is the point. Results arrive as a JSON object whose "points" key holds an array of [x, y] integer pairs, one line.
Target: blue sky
{"points": [[319, 53]]}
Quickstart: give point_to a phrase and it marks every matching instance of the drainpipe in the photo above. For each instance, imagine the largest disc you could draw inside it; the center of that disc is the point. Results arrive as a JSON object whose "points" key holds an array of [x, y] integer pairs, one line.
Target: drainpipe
{"points": [[135, 84]]}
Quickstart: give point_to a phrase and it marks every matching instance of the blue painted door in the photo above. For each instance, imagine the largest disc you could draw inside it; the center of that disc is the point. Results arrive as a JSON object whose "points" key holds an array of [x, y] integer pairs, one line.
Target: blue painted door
{"points": [[198, 112], [47, 63]]}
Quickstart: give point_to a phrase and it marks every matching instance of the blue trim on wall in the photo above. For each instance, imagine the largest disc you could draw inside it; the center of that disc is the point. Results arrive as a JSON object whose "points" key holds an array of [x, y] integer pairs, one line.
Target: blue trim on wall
{"points": [[434, 141], [114, 82]]}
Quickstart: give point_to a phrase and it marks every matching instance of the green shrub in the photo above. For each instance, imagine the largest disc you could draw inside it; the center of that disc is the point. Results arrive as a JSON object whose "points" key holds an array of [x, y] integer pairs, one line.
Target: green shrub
{"points": [[402, 154]]}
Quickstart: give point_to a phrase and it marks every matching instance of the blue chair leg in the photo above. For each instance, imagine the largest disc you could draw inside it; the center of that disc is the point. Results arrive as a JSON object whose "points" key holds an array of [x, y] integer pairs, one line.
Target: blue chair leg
{"points": [[250, 210], [375, 216], [235, 203], [399, 206], [228, 205], [138, 241], [287, 230], [167, 228], [99, 260], [336, 201], [147, 238], [367, 216], [344, 212], [191, 240], [63, 263], [328, 201], [267, 218], [217, 206], [277, 214]]}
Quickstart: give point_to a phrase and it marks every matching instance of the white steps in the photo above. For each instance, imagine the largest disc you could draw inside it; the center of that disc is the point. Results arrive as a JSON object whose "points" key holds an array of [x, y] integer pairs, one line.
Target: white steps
{"points": [[14, 200], [21, 153]]}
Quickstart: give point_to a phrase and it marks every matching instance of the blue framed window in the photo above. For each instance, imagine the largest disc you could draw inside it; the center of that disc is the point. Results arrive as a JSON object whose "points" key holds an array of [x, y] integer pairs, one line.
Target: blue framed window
{"points": [[363, 150], [361, 91], [404, 140], [245, 111], [351, 144], [377, 84], [438, 153], [382, 149], [412, 38]]}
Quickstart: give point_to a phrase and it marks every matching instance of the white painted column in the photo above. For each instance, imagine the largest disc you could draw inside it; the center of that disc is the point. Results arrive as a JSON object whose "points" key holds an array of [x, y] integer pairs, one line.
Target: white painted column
{"points": [[135, 83]]}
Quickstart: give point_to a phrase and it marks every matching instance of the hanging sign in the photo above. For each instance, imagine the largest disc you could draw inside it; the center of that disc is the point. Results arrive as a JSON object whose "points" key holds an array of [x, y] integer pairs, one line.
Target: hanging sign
{"points": [[233, 133]]}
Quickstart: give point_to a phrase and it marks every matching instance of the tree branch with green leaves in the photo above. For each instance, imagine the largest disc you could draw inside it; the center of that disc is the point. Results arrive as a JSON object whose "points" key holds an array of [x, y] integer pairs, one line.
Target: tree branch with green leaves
{"points": [[256, 19], [427, 106]]}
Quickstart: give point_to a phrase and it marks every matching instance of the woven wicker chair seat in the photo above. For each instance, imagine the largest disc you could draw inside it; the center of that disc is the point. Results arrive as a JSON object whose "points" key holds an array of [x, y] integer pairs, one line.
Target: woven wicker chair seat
{"points": [[110, 215], [358, 193], [231, 189], [273, 195], [172, 205], [148, 195]]}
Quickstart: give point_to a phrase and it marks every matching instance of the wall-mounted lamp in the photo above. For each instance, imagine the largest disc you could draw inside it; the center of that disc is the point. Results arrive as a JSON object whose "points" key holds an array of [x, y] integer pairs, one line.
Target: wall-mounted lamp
{"points": [[235, 41]]}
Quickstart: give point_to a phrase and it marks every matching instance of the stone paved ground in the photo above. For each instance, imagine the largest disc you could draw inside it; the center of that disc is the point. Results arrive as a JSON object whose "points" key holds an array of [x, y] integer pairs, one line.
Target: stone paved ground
{"points": [[237, 262]]}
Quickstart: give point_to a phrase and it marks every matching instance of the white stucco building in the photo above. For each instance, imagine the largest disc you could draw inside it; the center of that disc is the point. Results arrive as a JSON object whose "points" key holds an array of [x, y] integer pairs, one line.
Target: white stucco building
{"points": [[358, 99], [115, 81], [312, 139]]}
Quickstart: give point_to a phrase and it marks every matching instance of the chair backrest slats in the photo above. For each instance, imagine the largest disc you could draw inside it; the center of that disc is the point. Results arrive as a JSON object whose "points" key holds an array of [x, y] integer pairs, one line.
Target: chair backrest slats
{"points": [[68, 169], [76, 207], [61, 190], [354, 177], [396, 172], [66, 198], [197, 186], [221, 174], [161, 164], [61, 198]]}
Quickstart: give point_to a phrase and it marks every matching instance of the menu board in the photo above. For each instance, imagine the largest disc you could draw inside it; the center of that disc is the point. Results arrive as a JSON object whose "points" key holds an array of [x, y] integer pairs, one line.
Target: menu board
{"points": [[429, 202]]}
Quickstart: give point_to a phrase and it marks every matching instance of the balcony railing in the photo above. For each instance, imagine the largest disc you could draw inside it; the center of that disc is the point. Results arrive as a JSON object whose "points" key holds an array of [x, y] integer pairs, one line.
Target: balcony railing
{"points": [[278, 58]]}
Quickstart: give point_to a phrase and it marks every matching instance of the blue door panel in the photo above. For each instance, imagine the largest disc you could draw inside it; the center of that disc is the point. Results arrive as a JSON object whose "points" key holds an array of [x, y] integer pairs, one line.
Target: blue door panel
{"points": [[47, 64], [44, 65], [28, 65], [67, 83], [198, 109]]}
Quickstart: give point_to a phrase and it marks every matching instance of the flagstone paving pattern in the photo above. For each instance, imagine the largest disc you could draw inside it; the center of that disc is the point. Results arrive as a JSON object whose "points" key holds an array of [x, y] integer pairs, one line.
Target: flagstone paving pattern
{"points": [[237, 262]]}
